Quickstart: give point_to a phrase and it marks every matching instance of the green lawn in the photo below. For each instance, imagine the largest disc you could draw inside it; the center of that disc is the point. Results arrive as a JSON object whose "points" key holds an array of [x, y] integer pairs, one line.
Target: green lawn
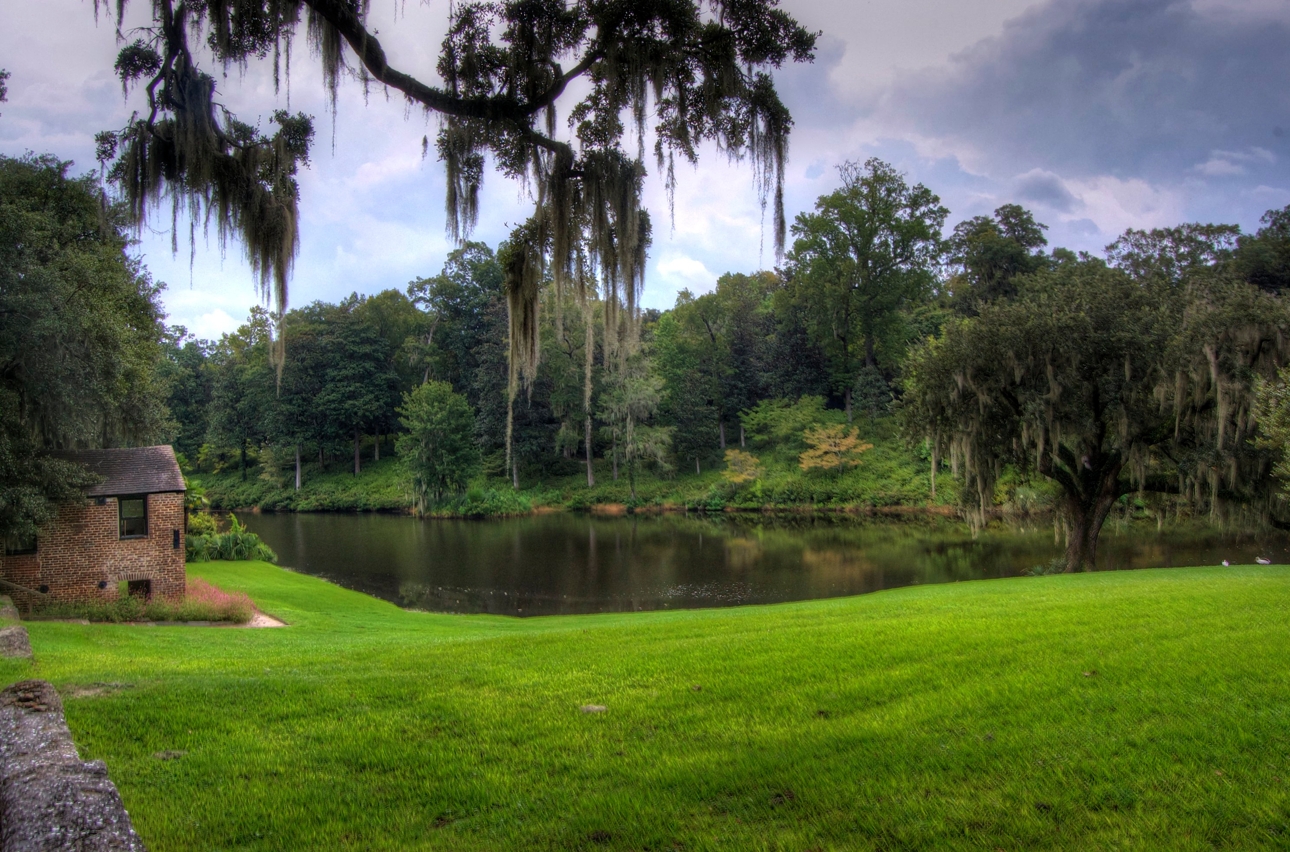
{"points": [[1134, 710]]}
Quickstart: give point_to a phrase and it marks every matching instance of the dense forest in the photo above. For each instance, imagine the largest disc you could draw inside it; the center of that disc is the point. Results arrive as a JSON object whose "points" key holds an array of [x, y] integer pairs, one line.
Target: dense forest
{"points": [[798, 370], [881, 350]]}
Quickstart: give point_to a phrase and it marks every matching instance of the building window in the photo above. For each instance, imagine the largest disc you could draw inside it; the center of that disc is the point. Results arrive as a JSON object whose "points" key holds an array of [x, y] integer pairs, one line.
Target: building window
{"points": [[20, 546], [133, 512]]}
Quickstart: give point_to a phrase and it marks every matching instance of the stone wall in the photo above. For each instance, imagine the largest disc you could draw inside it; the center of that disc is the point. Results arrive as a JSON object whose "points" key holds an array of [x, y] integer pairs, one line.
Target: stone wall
{"points": [[51, 800], [81, 557]]}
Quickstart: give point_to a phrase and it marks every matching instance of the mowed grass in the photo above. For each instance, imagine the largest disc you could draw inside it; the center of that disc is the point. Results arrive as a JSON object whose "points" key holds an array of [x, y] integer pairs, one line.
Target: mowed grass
{"points": [[1132, 710]]}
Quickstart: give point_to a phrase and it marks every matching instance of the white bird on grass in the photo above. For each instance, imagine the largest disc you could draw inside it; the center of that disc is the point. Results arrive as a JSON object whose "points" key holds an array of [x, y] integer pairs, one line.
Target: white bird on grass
{"points": [[1263, 561]]}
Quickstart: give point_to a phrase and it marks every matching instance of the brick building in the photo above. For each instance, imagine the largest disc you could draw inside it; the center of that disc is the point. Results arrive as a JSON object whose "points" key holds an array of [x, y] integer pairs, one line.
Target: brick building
{"points": [[127, 535]]}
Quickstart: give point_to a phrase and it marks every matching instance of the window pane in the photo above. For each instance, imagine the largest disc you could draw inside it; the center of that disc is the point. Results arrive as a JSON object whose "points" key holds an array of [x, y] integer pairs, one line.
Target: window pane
{"points": [[19, 546], [133, 512]]}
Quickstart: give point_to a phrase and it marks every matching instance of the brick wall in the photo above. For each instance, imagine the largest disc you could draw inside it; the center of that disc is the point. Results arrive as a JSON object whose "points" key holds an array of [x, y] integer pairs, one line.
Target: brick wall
{"points": [[82, 548]]}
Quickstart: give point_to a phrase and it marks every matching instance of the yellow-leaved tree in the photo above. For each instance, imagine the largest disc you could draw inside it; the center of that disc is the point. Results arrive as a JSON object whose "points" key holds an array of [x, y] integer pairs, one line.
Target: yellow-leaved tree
{"points": [[832, 448], [741, 467]]}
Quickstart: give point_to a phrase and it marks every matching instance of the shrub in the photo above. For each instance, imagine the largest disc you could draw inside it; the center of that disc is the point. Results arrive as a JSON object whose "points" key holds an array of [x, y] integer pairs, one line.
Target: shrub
{"points": [[203, 602], [741, 467], [237, 544], [832, 448]]}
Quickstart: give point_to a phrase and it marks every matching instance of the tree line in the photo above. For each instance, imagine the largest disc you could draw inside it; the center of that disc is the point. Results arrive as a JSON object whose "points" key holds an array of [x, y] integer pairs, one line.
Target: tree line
{"points": [[1148, 368]]}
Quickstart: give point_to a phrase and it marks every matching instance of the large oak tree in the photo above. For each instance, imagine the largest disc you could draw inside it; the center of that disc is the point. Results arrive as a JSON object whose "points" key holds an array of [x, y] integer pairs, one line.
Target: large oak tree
{"points": [[1105, 383]]}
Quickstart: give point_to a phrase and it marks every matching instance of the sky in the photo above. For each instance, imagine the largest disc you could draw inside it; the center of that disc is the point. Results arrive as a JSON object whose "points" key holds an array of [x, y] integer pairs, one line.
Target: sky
{"points": [[1097, 115]]}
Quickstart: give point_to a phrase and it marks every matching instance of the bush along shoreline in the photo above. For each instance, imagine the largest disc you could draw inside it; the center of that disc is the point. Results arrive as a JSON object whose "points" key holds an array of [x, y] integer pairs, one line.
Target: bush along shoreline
{"points": [[205, 543]]}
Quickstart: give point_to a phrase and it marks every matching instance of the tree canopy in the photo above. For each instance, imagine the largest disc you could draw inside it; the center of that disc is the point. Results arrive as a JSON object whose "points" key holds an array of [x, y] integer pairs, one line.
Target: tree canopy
{"points": [[869, 250], [1104, 382], [80, 336]]}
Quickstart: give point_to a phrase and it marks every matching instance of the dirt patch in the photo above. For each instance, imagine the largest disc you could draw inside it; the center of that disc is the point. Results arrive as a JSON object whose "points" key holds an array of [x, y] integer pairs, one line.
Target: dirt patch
{"points": [[93, 690], [611, 509], [262, 619]]}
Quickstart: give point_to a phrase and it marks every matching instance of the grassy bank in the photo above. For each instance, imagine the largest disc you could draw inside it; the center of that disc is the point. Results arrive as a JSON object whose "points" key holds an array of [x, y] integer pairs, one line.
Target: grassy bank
{"points": [[891, 475], [1143, 710]]}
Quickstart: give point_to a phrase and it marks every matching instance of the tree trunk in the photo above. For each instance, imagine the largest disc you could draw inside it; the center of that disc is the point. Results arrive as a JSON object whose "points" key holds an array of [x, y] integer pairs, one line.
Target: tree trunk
{"points": [[321, 465], [357, 464], [589, 345], [696, 465], [244, 461], [515, 473], [741, 436], [1092, 485], [378, 448], [869, 359], [936, 463], [721, 430], [591, 476], [297, 467], [847, 397], [1085, 527], [615, 455]]}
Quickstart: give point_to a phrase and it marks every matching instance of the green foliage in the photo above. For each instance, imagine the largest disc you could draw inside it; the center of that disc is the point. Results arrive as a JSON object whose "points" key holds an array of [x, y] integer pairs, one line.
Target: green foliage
{"points": [[80, 337], [381, 487], [484, 503], [781, 423], [1104, 384], [868, 252], [991, 251], [438, 450], [236, 544], [1272, 413], [1263, 258], [202, 523], [1026, 692], [741, 468]]}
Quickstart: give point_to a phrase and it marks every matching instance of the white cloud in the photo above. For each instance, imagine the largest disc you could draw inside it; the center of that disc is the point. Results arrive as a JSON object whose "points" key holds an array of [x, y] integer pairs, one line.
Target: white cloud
{"points": [[678, 272], [1231, 163]]}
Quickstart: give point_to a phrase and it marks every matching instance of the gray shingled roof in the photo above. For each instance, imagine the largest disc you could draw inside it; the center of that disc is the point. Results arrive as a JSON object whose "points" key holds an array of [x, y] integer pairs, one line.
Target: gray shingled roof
{"points": [[138, 470]]}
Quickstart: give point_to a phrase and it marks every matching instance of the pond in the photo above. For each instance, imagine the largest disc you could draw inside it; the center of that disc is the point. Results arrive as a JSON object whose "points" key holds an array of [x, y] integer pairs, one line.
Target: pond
{"points": [[572, 563]]}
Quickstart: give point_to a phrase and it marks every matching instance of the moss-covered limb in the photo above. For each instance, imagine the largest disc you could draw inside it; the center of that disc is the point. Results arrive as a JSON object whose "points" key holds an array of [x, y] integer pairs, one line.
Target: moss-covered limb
{"points": [[1012, 713], [692, 72]]}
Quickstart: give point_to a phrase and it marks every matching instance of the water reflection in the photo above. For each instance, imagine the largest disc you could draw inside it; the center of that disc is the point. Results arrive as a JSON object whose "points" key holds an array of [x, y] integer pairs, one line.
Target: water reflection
{"points": [[575, 564]]}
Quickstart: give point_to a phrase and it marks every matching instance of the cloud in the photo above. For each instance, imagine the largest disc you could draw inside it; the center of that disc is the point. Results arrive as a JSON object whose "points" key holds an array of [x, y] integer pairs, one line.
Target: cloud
{"points": [[1232, 163], [1140, 88], [679, 272], [1047, 189]]}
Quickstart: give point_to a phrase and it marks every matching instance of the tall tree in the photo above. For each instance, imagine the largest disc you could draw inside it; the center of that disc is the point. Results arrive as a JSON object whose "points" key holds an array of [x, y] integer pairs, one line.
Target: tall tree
{"points": [[1169, 255], [702, 71], [243, 388], [359, 384], [1263, 258], [437, 450], [991, 251], [1103, 383], [80, 336], [187, 377], [629, 401], [689, 391], [868, 251]]}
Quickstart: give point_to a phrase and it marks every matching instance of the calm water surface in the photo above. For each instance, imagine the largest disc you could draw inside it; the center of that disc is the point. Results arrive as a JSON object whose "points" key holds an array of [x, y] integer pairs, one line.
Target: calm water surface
{"points": [[568, 563]]}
